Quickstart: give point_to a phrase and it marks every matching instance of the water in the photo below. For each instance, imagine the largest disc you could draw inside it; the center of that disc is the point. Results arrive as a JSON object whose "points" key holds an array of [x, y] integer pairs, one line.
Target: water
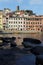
{"points": [[17, 56]]}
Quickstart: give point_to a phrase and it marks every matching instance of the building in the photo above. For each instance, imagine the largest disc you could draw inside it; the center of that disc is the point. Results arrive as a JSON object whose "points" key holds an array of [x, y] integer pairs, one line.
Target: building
{"points": [[15, 23], [1, 19], [5, 11], [4, 23], [34, 24], [23, 20]]}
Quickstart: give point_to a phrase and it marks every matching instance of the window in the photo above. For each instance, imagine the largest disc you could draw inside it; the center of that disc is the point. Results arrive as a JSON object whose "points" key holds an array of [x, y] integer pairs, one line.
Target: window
{"points": [[16, 29], [29, 22], [16, 18], [38, 22], [21, 25], [21, 29], [9, 22], [24, 22], [21, 22], [16, 21], [38, 29], [33, 22], [6, 18], [40, 26], [33, 26], [21, 18], [36, 19], [24, 25], [28, 18]]}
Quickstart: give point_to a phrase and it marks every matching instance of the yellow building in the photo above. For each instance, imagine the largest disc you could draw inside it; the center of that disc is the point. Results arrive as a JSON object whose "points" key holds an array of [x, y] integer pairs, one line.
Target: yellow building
{"points": [[1, 19]]}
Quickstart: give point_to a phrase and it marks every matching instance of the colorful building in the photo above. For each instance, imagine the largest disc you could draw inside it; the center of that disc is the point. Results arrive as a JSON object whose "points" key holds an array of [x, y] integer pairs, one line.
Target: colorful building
{"points": [[1, 19], [22, 20]]}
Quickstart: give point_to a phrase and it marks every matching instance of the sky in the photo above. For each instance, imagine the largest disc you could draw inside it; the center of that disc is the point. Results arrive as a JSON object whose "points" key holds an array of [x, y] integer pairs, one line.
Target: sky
{"points": [[35, 5]]}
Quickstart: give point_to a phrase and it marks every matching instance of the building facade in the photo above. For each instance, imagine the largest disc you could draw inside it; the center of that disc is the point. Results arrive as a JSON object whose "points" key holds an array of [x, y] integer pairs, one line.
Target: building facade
{"points": [[5, 11], [21, 20], [35, 24], [1, 19]]}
